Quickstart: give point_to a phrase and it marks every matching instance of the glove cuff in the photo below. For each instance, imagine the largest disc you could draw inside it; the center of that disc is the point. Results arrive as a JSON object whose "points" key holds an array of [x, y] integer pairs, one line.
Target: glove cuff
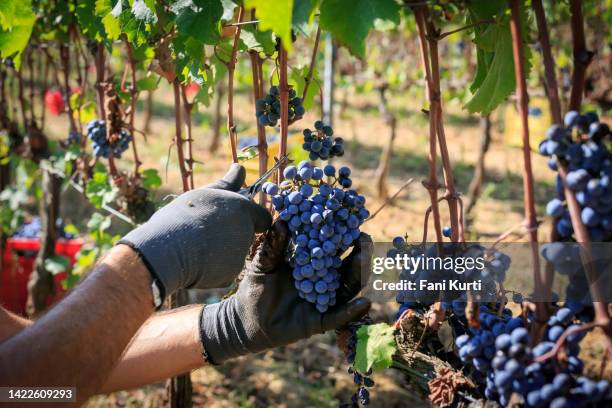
{"points": [[219, 333], [154, 275]]}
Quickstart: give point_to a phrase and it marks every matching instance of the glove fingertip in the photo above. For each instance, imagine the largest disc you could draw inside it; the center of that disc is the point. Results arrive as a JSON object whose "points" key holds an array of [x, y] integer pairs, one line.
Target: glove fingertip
{"points": [[233, 180]]}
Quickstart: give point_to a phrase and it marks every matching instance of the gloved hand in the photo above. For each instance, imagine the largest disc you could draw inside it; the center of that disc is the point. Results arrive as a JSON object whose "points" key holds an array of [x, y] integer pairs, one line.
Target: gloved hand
{"points": [[200, 240], [267, 311]]}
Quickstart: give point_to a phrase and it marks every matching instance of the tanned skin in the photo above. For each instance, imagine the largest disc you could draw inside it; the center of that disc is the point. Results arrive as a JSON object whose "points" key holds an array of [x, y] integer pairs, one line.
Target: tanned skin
{"points": [[79, 341]]}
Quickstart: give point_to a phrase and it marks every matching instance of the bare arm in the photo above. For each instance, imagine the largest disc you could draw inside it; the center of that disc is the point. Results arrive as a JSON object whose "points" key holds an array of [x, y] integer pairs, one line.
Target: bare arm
{"points": [[78, 342], [11, 324], [168, 344]]}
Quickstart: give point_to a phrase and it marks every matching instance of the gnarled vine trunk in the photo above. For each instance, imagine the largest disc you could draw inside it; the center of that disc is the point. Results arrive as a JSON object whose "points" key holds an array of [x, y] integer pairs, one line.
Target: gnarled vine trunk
{"points": [[40, 284], [475, 187]]}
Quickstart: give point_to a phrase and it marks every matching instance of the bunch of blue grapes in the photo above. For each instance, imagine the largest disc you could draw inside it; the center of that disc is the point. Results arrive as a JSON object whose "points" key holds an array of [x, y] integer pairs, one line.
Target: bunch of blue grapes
{"points": [[74, 137], [319, 143], [566, 259], [581, 145], [103, 146], [29, 229], [503, 362], [324, 219], [363, 381], [494, 271], [268, 108], [33, 228]]}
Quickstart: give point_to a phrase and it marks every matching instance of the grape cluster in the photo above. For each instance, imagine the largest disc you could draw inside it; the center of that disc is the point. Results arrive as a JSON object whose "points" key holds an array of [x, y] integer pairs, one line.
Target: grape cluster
{"points": [[496, 265], [268, 108], [74, 137], [580, 145], [324, 219], [319, 142], [33, 228], [363, 381], [30, 229], [102, 146], [566, 259], [504, 363]]}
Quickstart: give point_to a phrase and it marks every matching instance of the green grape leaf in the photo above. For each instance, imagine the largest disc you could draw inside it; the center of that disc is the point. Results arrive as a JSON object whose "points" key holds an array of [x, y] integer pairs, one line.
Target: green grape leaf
{"points": [[350, 21], [107, 12], [151, 179], [260, 41], [148, 83], [200, 19], [303, 12], [57, 264], [99, 191], [275, 16], [99, 222], [375, 347], [16, 23], [247, 153], [297, 78], [494, 79]]}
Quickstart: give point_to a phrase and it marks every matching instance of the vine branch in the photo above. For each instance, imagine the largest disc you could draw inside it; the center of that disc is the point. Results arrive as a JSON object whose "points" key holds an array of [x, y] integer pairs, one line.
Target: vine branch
{"points": [[133, 96], [188, 108], [231, 66], [313, 60], [178, 136], [582, 57], [262, 144], [432, 183], [284, 106], [529, 200]]}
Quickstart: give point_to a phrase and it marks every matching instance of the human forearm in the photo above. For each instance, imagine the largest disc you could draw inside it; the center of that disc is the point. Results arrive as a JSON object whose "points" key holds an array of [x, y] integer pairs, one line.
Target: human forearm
{"points": [[11, 324], [99, 318], [166, 345]]}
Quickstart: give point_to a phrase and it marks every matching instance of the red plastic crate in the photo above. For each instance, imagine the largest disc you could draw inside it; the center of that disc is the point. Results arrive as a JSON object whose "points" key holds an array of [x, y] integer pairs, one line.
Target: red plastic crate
{"points": [[17, 265]]}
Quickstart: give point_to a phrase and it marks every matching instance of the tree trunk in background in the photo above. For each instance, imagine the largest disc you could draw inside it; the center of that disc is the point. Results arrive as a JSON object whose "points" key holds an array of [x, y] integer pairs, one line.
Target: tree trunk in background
{"points": [[40, 285], [217, 119], [180, 388], [475, 187], [148, 113], [328, 80], [382, 173], [4, 182]]}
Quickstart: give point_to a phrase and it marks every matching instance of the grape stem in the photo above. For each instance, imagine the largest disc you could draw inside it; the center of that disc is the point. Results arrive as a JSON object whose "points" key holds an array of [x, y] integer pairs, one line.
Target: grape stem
{"points": [[133, 97], [465, 27], [569, 331], [432, 184], [284, 105], [231, 66], [188, 108], [313, 60], [552, 92], [100, 83], [529, 200], [262, 144], [582, 57], [437, 118], [178, 137], [65, 56], [389, 200], [552, 89]]}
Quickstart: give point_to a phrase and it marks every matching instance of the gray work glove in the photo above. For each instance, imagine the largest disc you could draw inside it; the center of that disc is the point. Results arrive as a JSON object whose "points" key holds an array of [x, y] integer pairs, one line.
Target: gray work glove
{"points": [[267, 311], [200, 239]]}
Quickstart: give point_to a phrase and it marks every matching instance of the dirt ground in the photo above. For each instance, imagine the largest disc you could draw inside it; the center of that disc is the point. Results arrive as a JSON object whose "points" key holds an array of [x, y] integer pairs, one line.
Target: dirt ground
{"points": [[311, 372]]}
